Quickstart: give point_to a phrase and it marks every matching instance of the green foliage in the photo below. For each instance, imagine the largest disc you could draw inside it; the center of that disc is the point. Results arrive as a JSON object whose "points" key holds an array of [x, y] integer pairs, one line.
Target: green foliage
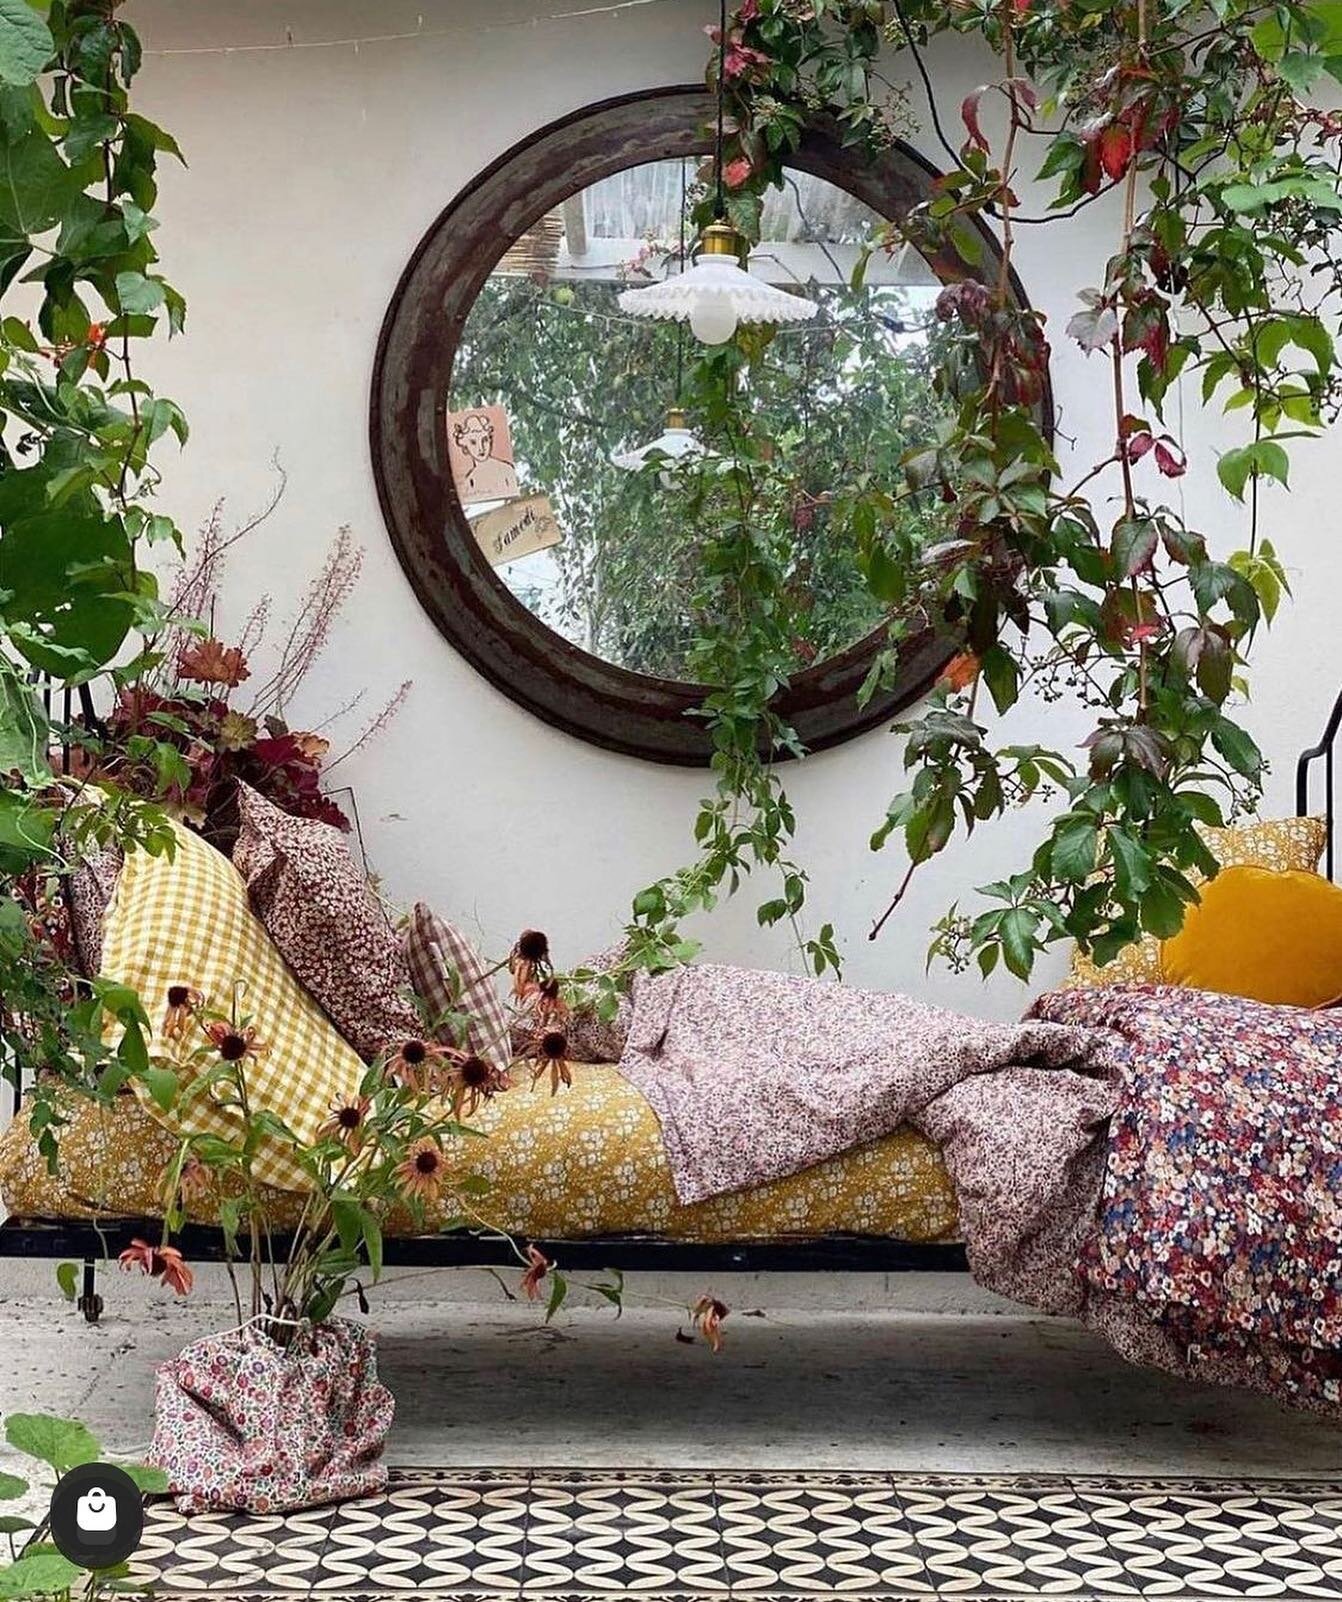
{"points": [[77, 190], [59, 1444], [1098, 591], [41, 1571]]}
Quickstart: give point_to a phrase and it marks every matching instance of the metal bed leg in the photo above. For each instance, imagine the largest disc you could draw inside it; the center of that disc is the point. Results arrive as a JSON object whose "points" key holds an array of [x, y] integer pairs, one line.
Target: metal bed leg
{"points": [[90, 1303]]}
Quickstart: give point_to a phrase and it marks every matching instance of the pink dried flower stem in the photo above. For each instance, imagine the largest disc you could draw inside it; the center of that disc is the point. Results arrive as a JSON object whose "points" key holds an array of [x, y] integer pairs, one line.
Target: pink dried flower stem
{"points": [[311, 628], [376, 727]]}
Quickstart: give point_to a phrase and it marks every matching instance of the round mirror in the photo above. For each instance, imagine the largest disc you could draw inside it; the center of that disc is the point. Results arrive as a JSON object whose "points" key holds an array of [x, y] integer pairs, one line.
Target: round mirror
{"points": [[541, 464]]}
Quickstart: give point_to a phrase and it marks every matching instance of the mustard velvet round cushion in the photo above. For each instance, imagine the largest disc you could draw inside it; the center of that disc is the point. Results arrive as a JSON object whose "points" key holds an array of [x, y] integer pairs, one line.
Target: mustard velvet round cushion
{"points": [[1286, 844], [1272, 937]]}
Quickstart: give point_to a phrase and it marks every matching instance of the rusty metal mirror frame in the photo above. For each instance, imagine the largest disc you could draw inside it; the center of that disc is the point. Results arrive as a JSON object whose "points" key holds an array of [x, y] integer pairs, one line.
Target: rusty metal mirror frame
{"points": [[590, 698]]}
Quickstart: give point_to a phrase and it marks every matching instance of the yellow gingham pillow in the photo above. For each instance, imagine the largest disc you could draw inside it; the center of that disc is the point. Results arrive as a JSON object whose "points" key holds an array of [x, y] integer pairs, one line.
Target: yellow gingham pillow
{"points": [[186, 921], [1290, 845]]}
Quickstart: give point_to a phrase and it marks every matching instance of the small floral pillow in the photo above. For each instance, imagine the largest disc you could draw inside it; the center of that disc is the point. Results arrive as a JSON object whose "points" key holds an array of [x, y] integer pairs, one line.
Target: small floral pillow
{"points": [[92, 885], [317, 907]]}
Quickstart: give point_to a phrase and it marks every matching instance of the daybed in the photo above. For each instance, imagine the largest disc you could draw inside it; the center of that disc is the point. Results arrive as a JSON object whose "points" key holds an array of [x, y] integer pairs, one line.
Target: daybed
{"points": [[584, 1175]]}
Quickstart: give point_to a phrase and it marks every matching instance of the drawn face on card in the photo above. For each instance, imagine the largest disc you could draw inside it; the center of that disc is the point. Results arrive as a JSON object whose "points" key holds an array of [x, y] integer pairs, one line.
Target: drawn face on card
{"points": [[480, 450]]}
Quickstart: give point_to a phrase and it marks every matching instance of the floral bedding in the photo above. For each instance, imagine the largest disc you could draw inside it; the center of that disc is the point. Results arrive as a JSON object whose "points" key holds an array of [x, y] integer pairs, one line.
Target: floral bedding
{"points": [[1220, 1213], [1164, 1164]]}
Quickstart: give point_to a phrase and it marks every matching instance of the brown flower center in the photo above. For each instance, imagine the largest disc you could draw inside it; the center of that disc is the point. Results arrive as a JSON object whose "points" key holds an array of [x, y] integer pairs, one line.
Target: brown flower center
{"points": [[414, 1052], [475, 1072], [427, 1162], [554, 1045], [233, 1047], [349, 1117], [178, 995], [533, 945]]}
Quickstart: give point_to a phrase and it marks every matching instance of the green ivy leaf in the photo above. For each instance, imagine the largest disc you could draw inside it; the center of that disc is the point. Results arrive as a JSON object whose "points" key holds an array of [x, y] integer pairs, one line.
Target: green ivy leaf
{"points": [[138, 293], [1075, 844], [26, 45], [1017, 934], [24, 732], [161, 1083], [152, 1481], [39, 1573], [12, 1486]]}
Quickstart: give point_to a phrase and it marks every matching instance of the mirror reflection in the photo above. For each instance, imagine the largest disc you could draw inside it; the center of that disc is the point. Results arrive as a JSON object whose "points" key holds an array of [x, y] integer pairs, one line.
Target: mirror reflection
{"points": [[584, 466]]}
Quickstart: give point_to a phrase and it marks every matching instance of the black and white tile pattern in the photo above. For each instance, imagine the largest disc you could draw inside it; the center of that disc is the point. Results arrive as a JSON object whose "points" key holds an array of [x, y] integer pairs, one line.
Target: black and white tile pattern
{"points": [[654, 1536]]}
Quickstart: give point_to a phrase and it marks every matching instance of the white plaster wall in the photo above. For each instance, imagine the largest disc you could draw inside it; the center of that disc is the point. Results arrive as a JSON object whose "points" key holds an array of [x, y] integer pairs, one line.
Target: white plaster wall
{"points": [[313, 173]]}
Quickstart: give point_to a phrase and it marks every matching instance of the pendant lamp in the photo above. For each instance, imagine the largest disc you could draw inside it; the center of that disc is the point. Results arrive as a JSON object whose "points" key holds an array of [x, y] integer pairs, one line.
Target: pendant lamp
{"points": [[718, 293]]}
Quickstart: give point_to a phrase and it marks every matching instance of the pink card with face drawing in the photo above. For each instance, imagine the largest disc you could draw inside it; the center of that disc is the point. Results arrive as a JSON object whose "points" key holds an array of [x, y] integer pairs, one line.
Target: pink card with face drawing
{"points": [[480, 453]]}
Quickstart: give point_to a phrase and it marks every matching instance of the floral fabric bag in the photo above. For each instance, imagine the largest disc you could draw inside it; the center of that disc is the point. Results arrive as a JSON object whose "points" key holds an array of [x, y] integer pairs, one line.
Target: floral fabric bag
{"points": [[242, 1422]]}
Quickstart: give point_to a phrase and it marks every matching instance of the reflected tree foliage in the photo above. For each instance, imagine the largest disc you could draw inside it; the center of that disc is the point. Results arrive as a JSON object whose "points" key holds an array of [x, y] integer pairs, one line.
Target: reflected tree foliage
{"points": [[839, 401]]}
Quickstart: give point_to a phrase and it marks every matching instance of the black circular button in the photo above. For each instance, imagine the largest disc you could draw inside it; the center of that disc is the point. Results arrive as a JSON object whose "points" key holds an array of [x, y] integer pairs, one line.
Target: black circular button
{"points": [[97, 1515]]}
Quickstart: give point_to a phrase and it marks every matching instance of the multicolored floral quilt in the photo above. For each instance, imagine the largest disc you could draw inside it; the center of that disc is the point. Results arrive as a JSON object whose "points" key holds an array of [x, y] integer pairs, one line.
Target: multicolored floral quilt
{"points": [[1164, 1164], [1220, 1214]]}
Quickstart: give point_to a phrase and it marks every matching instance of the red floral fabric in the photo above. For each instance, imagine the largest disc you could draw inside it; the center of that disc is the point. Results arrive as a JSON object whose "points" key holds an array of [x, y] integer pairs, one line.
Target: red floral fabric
{"points": [[1221, 1210], [319, 909]]}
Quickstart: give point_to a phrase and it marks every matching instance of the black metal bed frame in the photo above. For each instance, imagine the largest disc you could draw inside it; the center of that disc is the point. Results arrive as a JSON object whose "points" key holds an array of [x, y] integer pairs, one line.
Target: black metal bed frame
{"points": [[90, 1243]]}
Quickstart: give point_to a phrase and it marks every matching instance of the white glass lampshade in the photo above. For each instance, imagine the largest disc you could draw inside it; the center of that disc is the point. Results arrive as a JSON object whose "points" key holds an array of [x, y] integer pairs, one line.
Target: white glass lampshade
{"points": [[676, 443], [717, 293]]}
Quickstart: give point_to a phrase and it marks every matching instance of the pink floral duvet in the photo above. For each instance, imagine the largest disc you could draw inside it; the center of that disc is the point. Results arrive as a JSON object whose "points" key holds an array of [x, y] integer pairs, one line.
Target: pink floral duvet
{"points": [[1165, 1164]]}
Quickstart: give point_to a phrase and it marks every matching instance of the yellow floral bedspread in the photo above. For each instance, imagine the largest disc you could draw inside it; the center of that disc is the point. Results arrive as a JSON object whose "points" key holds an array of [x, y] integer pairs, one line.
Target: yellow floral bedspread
{"points": [[586, 1162]]}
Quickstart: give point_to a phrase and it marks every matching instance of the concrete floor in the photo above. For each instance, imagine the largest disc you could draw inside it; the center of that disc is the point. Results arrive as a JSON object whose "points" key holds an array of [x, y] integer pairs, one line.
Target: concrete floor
{"points": [[836, 1371]]}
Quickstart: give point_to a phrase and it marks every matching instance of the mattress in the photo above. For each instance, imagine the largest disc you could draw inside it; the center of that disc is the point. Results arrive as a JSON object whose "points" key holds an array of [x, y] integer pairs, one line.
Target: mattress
{"points": [[586, 1162]]}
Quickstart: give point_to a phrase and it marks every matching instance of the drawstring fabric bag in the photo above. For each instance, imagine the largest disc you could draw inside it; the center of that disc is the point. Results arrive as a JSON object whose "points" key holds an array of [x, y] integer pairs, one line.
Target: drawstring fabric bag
{"points": [[245, 1421]]}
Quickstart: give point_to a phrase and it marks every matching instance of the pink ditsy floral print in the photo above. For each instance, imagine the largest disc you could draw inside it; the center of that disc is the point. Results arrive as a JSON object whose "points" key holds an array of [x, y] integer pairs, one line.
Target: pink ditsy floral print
{"points": [[1221, 1211], [242, 1423]]}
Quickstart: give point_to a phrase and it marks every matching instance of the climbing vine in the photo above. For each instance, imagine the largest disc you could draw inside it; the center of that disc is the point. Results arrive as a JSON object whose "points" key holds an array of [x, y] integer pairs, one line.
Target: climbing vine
{"points": [[81, 290], [1195, 127]]}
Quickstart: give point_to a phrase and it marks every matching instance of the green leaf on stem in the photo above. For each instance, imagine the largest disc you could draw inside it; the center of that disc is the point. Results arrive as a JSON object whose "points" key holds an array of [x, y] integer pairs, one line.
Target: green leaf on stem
{"points": [[63, 1443]]}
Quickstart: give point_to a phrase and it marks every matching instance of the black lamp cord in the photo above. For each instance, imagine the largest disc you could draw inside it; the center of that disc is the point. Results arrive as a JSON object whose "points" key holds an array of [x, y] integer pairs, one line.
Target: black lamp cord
{"points": [[719, 199], [680, 326]]}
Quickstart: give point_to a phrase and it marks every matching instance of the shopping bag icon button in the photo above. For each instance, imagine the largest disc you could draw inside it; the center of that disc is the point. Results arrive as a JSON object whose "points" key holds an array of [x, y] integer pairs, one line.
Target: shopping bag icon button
{"points": [[95, 1515]]}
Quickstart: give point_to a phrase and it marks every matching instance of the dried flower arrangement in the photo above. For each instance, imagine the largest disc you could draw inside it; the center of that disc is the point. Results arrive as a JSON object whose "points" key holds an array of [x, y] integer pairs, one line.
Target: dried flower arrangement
{"points": [[184, 728]]}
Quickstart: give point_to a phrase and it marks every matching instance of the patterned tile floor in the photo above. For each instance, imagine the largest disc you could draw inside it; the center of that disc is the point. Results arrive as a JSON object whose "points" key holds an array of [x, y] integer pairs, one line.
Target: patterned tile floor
{"points": [[691, 1537]]}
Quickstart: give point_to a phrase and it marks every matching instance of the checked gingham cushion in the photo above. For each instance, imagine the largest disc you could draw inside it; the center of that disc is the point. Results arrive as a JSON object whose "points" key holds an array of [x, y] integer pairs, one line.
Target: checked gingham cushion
{"points": [[185, 920], [450, 978]]}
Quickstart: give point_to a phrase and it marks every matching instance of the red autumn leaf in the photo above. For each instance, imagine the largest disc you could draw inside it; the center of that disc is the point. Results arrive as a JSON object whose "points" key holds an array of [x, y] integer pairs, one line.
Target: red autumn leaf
{"points": [[1116, 146], [737, 172], [969, 112], [960, 672], [1172, 465], [1141, 632], [210, 662], [1021, 89], [1146, 327], [739, 60], [1138, 444]]}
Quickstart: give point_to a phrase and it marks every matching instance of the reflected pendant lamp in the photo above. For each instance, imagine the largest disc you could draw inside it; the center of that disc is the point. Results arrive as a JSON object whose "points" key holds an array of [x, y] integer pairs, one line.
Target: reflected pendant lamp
{"points": [[675, 443], [718, 293]]}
